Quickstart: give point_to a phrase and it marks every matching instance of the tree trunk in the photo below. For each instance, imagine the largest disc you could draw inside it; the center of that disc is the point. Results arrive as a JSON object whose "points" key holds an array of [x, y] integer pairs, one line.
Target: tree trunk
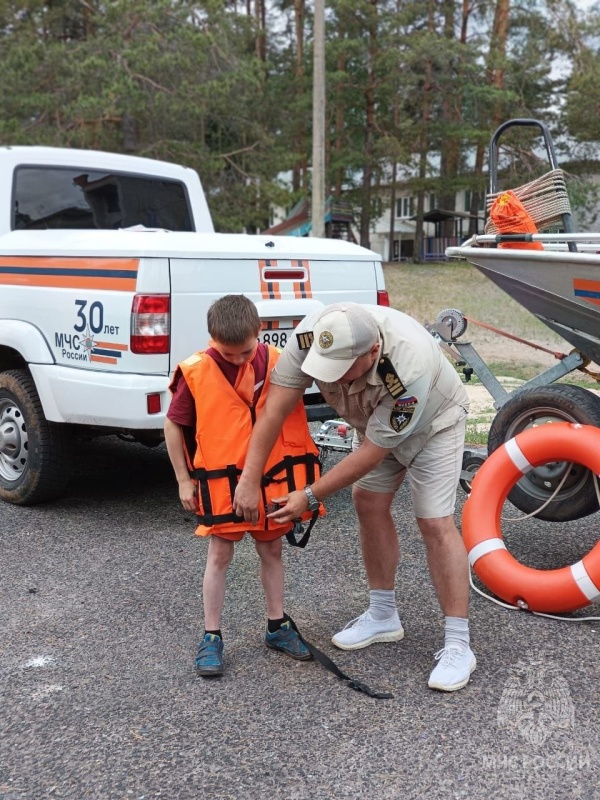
{"points": [[299, 168], [494, 76], [365, 213], [450, 149], [424, 141], [261, 33], [340, 121]]}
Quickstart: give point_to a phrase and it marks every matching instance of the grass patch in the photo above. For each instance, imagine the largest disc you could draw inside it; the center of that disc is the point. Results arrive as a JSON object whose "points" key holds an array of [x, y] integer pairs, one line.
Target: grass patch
{"points": [[423, 290], [476, 432], [522, 371]]}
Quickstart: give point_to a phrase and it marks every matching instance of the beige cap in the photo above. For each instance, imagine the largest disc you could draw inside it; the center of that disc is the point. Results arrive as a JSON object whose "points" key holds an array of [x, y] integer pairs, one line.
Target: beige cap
{"points": [[342, 333]]}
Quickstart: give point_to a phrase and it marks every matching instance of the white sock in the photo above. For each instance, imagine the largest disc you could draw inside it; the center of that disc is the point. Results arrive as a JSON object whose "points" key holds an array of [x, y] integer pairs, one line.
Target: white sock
{"points": [[457, 633], [382, 603]]}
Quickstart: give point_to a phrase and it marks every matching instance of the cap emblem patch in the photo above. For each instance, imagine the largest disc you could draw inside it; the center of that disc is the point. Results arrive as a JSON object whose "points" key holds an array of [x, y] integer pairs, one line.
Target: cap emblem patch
{"points": [[325, 340]]}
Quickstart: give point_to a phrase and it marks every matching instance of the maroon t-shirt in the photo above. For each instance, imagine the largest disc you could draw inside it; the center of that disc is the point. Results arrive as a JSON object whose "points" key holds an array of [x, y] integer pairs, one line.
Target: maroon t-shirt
{"points": [[183, 407]]}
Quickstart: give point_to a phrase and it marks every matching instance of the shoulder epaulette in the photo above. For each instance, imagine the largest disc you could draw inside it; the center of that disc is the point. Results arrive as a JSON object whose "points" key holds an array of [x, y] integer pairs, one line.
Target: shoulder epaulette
{"points": [[389, 376], [305, 340]]}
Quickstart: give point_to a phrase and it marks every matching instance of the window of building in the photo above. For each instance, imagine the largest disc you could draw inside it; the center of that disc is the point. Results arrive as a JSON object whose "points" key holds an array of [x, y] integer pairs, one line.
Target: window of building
{"points": [[405, 207], [469, 199]]}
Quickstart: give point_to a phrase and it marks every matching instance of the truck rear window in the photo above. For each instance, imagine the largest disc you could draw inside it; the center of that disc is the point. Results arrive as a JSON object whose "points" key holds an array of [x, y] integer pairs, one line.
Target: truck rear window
{"points": [[58, 197]]}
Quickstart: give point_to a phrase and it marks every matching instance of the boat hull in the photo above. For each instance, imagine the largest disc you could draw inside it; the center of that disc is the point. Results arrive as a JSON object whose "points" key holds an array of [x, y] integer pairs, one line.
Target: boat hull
{"points": [[562, 289]]}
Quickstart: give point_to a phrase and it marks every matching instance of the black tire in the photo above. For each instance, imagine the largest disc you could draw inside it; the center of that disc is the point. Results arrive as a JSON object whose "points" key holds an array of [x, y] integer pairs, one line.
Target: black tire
{"points": [[470, 463], [539, 406], [34, 453]]}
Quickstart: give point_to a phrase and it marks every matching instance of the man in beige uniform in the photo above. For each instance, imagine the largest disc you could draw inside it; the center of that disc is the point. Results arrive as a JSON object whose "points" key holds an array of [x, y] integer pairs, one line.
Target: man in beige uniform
{"points": [[385, 375]]}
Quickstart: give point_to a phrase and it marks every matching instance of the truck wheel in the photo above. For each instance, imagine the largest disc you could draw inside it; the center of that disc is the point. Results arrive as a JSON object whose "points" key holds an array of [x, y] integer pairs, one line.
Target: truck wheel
{"points": [[540, 406], [34, 453]]}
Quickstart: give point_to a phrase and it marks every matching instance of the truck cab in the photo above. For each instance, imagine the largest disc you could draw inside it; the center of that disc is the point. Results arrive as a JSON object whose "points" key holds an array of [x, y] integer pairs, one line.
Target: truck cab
{"points": [[53, 187]]}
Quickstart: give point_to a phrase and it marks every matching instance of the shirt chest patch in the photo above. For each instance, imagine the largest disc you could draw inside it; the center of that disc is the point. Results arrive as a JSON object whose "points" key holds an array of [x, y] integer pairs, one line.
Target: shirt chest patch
{"points": [[402, 413]]}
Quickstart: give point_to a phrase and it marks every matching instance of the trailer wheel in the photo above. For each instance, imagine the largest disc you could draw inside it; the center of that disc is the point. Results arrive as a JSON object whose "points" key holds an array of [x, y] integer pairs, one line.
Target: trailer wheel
{"points": [[34, 453], [540, 406], [470, 464]]}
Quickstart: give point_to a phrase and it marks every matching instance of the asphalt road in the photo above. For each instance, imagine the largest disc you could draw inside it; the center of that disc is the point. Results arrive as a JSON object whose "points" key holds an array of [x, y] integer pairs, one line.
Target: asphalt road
{"points": [[100, 616]]}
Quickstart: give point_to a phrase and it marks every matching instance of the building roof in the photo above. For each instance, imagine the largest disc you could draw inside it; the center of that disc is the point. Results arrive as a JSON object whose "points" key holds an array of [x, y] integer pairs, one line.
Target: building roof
{"points": [[299, 223]]}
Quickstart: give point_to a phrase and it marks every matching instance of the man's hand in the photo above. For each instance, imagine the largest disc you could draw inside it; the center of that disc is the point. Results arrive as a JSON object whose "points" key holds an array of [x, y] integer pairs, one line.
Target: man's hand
{"points": [[292, 506], [247, 499]]}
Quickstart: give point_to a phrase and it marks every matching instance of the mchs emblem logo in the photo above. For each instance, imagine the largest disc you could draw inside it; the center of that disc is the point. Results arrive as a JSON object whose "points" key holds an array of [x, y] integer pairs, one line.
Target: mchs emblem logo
{"points": [[536, 702], [325, 340], [402, 413]]}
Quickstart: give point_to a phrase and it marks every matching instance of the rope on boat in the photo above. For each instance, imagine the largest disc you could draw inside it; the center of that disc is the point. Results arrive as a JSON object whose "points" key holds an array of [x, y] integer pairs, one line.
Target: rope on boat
{"points": [[556, 353], [545, 199]]}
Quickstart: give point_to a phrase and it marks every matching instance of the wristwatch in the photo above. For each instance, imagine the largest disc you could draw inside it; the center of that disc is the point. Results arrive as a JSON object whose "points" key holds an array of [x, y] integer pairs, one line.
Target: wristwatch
{"points": [[313, 503]]}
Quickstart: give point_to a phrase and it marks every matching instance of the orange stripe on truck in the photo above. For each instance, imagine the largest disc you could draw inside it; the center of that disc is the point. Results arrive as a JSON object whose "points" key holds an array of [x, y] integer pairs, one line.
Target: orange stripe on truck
{"points": [[112, 345], [269, 289], [103, 359], [115, 274]]}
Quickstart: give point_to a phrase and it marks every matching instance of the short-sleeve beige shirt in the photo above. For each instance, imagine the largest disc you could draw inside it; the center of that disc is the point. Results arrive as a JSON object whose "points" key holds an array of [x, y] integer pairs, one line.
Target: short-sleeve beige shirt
{"points": [[434, 392]]}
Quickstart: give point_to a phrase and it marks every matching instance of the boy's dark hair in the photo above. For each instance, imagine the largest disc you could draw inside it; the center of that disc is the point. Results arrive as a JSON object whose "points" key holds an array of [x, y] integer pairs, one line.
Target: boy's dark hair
{"points": [[233, 319]]}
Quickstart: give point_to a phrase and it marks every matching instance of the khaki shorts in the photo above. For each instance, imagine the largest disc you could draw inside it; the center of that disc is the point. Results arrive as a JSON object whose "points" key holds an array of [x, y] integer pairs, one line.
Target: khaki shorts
{"points": [[433, 474]]}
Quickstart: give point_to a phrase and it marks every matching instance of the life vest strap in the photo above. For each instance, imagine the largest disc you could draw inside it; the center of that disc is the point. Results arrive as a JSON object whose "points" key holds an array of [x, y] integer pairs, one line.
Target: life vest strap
{"points": [[231, 472], [330, 665], [285, 468], [310, 461], [298, 530], [287, 464]]}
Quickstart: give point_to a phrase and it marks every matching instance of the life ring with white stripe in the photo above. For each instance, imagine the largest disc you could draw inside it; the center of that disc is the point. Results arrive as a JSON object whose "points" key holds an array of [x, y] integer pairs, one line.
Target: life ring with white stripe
{"points": [[551, 591]]}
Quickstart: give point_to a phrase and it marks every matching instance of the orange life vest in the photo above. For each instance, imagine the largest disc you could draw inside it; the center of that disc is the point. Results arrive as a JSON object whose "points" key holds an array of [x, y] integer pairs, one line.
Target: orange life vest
{"points": [[224, 423]]}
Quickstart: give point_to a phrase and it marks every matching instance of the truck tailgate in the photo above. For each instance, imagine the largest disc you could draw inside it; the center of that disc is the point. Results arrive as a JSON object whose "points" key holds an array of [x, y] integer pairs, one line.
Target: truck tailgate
{"points": [[284, 290]]}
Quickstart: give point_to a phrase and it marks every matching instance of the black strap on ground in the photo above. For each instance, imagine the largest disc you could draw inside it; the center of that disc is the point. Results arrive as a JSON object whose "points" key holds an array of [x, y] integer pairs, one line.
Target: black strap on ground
{"points": [[326, 662]]}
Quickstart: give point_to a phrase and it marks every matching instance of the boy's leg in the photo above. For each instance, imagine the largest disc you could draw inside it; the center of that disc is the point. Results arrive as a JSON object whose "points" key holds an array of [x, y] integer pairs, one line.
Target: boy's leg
{"points": [[220, 554], [271, 576], [209, 658], [280, 635]]}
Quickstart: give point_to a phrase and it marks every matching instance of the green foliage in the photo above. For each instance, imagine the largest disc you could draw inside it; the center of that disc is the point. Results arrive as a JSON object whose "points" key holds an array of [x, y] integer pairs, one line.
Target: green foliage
{"points": [[182, 81]]}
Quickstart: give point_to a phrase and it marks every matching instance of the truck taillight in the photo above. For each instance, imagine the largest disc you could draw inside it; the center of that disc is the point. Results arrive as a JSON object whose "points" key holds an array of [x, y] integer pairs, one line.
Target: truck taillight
{"points": [[150, 323], [383, 298]]}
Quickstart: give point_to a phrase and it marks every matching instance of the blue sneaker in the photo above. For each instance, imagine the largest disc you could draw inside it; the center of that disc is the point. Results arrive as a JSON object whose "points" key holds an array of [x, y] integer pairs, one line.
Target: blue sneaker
{"points": [[287, 640], [209, 658]]}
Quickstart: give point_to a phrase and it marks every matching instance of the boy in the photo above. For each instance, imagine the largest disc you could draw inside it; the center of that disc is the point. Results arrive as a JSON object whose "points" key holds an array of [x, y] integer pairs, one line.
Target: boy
{"points": [[217, 394]]}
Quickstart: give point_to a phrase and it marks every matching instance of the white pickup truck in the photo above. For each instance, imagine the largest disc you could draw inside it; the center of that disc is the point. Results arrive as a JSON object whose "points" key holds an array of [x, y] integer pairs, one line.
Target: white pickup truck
{"points": [[108, 264]]}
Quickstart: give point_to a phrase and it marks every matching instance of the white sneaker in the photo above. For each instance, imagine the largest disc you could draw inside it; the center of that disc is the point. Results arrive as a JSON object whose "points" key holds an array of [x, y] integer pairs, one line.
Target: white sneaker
{"points": [[365, 630], [453, 670]]}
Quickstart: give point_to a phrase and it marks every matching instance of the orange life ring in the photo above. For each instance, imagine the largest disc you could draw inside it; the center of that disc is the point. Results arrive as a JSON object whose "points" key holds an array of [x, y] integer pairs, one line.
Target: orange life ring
{"points": [[554, 590]]}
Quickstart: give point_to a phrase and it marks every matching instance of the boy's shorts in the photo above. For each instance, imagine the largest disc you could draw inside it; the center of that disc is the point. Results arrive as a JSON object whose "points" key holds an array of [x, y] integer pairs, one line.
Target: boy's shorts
{"points": [[260, 536], [433, 474]]}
